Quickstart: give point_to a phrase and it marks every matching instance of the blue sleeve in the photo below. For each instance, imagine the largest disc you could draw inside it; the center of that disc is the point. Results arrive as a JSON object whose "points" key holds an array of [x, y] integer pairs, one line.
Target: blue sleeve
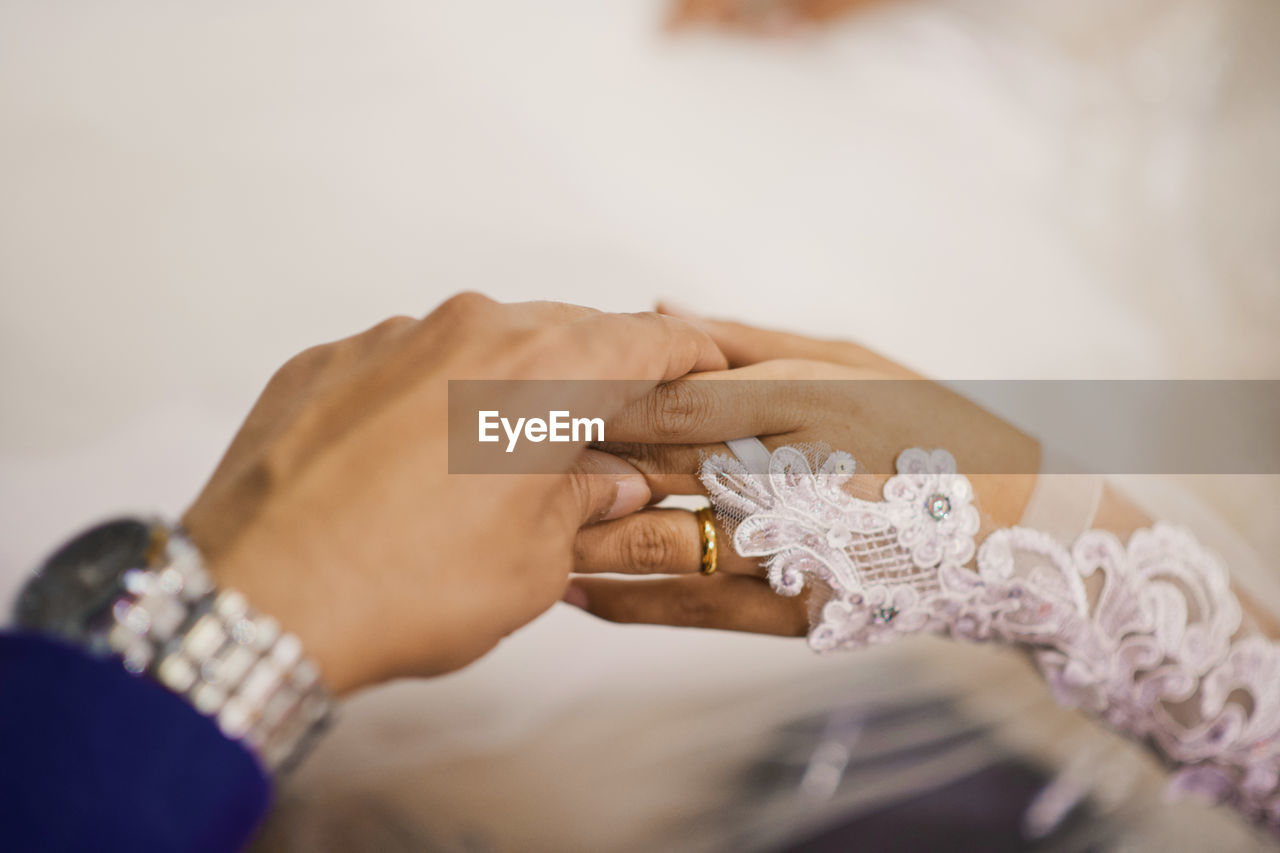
{"points": [[93, 758]]}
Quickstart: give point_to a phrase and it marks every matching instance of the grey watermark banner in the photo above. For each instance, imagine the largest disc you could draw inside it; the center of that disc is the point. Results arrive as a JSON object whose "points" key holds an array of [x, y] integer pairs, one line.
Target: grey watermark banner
{"points": [[1082, 426]]}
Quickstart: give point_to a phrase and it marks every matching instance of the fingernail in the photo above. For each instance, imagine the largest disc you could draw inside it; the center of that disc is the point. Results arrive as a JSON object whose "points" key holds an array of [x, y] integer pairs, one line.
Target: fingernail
{"points": [[632, 494], [577, 596]]}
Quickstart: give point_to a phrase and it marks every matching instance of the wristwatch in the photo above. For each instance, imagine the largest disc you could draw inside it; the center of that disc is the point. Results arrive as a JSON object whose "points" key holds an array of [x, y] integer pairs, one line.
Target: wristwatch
{"points": [[136, 590]]}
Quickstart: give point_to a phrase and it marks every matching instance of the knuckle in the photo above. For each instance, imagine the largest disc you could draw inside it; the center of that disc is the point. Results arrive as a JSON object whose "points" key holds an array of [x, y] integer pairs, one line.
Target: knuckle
{"points": [[650, 546], [303, 366], [693, 611], [392, 325], [645, 457], [581, 496], [465, 306], [676, 410]]}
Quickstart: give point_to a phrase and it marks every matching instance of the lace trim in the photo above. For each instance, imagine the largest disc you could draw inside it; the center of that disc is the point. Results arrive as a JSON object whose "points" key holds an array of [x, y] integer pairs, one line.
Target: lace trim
{"points": [[1151, 653]]}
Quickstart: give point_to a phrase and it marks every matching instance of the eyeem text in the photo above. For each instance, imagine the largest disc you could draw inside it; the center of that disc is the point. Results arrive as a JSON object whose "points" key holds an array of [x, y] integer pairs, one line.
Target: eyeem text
{"points": [[558, 426]]}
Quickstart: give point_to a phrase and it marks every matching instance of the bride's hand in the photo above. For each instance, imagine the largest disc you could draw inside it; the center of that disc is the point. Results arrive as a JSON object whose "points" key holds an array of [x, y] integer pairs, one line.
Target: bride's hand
{"points": [[806, 392]]}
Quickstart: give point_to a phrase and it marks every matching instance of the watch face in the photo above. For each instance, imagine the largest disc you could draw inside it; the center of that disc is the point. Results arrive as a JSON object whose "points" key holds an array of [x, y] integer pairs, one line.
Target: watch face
{"points": [[83, 577]]}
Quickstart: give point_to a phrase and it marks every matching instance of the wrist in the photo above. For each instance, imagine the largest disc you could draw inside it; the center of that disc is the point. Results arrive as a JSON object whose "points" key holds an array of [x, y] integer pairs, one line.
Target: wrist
{"points": [[257, 564], [138, 591]]}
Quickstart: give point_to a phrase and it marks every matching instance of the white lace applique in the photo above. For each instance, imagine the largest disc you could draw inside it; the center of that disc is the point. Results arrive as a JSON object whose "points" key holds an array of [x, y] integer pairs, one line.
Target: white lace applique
{"points": [[1153, 653]]}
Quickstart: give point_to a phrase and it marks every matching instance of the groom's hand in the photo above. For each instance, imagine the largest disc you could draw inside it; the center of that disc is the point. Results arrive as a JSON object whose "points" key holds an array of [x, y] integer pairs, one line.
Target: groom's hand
{"points": [[334, 511]]}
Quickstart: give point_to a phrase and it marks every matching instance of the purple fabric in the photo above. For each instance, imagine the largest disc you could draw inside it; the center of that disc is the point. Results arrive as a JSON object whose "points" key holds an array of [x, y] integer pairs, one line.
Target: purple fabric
{"points": [[97, 759]]}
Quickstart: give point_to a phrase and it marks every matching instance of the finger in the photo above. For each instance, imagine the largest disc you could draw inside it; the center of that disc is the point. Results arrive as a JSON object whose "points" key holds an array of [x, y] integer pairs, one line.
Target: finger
{"points": [[542, 312], [655, 541], [761, 399], [549, 341], [648, 346], [743, 345], [637, 351], [602, 487], [724, 602], [669, 469], [591, 344], [687, 348]]}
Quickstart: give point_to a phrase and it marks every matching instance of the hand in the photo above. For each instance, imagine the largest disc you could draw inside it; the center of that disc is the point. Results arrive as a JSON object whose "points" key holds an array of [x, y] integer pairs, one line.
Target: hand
{"points": [[333, 510], [670, 432]]}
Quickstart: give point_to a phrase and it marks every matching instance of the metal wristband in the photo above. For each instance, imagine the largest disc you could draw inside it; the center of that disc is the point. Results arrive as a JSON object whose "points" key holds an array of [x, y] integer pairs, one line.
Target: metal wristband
{"points": [[165, 619]]}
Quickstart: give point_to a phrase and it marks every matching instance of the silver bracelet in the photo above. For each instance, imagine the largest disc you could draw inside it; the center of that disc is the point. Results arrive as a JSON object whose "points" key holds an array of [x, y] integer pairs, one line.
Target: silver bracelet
{"points": [[158, 611]]}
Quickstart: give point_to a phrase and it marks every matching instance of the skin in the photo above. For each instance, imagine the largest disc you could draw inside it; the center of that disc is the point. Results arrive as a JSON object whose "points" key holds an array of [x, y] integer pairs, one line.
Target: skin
{"points": [[668, 434], [767, 18], [333, 509]]}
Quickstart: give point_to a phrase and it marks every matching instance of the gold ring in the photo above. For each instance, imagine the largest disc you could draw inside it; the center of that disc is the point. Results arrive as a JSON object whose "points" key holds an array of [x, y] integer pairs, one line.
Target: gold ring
{"points": [[707, 530]]}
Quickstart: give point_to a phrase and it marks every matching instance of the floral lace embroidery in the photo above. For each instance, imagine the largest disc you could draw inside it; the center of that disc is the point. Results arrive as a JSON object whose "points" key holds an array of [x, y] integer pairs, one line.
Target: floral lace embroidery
{"points": [[1151, 653]]}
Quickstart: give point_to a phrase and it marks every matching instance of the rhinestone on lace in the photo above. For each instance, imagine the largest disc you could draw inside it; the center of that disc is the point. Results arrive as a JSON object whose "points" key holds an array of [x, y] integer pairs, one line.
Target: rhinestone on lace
{"points": [[883, 615]]}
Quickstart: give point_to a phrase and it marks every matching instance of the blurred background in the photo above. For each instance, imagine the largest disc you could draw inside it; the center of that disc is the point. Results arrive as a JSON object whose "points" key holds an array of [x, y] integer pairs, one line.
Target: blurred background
{"points": [[190, 193]]}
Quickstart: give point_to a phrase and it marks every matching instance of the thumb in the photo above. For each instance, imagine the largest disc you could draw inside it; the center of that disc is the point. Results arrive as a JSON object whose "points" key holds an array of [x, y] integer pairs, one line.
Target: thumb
{"points": [[744, 345], [601, 487]]}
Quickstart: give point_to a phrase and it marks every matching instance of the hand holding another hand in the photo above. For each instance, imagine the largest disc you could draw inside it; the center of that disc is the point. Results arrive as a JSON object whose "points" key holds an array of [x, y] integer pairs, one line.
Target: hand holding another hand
{"points": [[788, 390], [334, 509]]}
